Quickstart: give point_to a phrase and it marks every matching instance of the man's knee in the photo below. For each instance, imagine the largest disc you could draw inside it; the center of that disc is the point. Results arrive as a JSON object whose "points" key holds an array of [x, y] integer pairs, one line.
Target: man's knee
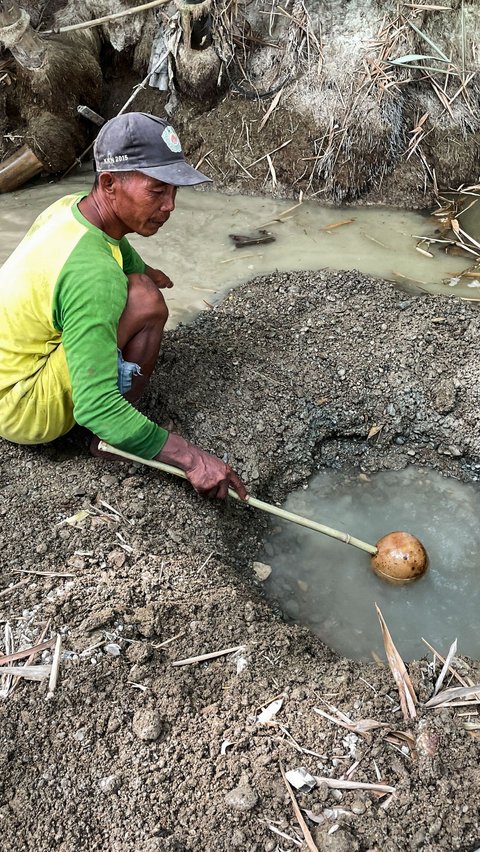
{"points": [[145, 299]]}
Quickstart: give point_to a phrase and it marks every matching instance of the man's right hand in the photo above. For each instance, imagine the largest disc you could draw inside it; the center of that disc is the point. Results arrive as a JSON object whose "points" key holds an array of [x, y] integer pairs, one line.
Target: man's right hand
{"points": [[208, 474]]}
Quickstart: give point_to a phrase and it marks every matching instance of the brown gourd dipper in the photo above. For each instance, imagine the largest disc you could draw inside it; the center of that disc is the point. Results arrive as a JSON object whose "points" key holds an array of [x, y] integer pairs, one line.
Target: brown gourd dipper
{"points": [[398, 557]]}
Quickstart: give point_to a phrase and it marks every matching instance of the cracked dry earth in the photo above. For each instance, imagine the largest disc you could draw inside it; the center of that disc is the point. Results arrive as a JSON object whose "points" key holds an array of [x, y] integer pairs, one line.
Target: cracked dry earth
{"points": [[132, 753]]}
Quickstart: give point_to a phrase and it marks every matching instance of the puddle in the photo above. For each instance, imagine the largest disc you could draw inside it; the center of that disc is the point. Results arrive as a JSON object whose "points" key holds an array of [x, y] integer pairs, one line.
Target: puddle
{"points": [[330, 587], [195, 250]]}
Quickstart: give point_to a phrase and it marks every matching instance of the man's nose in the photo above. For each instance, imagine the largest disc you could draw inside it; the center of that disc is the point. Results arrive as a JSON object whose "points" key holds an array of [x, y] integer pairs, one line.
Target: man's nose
{"points": [[168, 203]]}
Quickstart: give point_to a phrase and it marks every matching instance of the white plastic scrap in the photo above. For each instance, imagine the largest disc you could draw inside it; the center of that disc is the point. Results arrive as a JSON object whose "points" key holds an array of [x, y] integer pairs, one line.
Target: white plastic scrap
{"points": [[301, 779], [242, 663], [113, 649], [267, 715]]}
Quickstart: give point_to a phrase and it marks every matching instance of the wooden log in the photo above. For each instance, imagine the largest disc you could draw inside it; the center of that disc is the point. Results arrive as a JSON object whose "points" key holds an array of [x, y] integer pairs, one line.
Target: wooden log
{"points": [[17, 35], [17, 169]]}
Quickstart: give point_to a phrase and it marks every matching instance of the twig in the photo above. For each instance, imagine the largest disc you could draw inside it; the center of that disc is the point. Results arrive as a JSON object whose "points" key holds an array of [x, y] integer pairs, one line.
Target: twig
{"points": [[269, 153], [28, 672], [32, 655], [210, 656], [446, 666], [451, 694], [303, 825], [339, 784], [41, 573], [55, 667], [442, 660], [7, 591], [85, 25], [20, 655]]}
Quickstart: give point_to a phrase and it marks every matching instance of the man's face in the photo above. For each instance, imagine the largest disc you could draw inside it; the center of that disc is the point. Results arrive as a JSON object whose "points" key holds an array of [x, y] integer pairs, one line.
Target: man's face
{"points": [[141, 203]]}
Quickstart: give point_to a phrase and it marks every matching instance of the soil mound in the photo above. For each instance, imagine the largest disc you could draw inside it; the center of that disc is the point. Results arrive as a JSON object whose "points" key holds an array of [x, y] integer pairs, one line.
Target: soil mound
{"points": [[133, 753]]}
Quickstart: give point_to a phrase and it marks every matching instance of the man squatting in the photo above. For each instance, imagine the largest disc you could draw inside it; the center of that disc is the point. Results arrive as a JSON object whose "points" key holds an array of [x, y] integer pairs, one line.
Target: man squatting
{"points": [[82, 315]]}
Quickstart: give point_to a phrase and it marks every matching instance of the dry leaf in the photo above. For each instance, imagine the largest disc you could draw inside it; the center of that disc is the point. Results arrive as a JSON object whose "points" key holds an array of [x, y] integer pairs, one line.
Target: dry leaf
{"points": [[408, 699], [374, 430], [267, 715]]}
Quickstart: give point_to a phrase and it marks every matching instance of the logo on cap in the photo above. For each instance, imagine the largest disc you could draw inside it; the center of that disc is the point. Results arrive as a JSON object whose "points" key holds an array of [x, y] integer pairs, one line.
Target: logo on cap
{"points": [[171, 139]]}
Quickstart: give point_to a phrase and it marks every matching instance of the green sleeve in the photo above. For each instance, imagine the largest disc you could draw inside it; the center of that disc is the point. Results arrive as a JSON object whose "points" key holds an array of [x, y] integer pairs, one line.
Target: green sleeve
{"points": [[132, 262], [88, 301]]}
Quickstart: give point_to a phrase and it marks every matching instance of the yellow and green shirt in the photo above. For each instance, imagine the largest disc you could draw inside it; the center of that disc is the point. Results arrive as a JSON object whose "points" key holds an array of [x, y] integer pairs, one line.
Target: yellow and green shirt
{"points": [[62, 293]]}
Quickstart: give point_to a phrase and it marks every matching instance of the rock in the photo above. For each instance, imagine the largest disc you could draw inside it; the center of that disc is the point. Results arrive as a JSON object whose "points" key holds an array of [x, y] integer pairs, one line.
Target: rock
{"points": [[262, 570], [147, 724], [97, 618], [242, 798], [144, 617], [238, 839], [418, 839], [358, 807], [445, 396], [113, 725], [116, 558], [342, 840], [109, 784]]}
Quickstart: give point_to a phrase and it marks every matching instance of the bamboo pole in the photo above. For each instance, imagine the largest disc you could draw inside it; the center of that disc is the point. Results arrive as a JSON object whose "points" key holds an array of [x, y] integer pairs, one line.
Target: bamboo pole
{"points": [[251, 501], [97, 22], [18, 168]]}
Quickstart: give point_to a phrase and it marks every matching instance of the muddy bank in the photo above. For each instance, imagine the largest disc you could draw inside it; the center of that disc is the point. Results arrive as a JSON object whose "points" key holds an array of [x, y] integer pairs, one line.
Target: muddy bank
{"points": [[132, 753], [350, 101]]}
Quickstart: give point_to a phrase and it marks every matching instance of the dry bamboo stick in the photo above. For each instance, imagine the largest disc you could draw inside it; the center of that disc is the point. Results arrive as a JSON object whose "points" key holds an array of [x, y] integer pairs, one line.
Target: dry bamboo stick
{"points": [[252, 501], [55, 667], [20, 655], [211, 656], [85, 25]]}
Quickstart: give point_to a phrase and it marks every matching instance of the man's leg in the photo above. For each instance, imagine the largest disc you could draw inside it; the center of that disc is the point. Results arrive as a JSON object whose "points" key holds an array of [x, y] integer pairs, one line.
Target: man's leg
{"points": [[139, 336], [140, 330]]}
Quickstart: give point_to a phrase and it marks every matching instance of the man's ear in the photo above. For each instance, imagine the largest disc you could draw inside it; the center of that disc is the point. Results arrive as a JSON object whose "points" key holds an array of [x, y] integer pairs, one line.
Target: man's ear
{"points": [[107, 182]]}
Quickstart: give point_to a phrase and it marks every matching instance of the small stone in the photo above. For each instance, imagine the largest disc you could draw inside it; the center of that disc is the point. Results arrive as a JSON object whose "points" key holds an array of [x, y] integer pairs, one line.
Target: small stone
{"points": [[109, 784], [341, 840], [238, 839], [445, 396], [116, 558], [262, 570], [175, 536], [358, 807], [242, 798], [97, 618], [144, 617], [418, 839], [113, 725], [41, 548], [79, 735], [147, 724], [323, 791]]}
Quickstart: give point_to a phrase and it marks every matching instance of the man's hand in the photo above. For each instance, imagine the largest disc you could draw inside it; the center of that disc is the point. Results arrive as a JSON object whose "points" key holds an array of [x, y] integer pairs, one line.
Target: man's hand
{"points": [[208, 474], [159, 278]]}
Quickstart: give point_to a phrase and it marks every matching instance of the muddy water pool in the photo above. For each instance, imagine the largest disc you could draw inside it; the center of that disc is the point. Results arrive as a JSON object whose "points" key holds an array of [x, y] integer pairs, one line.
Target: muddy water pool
{"points": [[195, 250], [330, 587]]}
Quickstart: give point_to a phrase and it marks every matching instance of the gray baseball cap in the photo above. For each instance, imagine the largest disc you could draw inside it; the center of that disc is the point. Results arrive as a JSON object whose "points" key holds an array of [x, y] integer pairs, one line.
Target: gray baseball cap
{"points": [[137, 141]]}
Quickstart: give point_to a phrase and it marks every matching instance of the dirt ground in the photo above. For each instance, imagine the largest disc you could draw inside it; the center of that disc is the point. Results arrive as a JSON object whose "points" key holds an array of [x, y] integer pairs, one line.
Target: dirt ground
{"points": [[131, 753]]}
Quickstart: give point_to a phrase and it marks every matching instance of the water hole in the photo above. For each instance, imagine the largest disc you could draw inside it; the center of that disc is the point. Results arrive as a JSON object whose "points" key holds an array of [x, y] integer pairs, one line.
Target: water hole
{"points": [[330, 587]]}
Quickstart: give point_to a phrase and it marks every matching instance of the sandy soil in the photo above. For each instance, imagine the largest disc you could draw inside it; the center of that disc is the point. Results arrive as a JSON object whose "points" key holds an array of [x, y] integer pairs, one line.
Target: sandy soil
{"points": [[131, 753]]}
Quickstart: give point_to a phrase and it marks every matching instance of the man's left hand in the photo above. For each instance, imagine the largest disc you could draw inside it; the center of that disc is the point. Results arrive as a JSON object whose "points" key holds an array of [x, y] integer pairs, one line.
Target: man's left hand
{"points": [[159, 278]]}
